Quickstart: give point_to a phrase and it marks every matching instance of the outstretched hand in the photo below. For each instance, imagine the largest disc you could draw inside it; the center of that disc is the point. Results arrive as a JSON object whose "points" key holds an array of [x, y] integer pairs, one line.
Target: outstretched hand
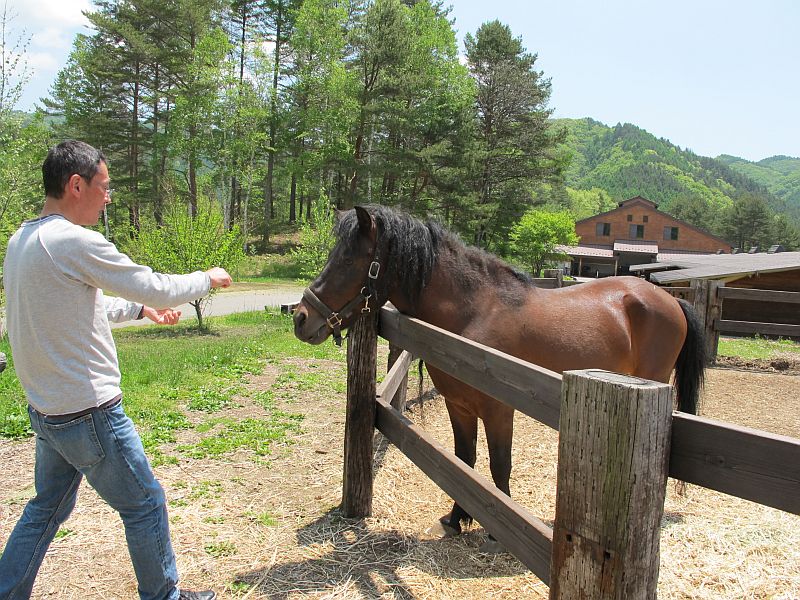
{"points": [[219, 277], [166, 316]]}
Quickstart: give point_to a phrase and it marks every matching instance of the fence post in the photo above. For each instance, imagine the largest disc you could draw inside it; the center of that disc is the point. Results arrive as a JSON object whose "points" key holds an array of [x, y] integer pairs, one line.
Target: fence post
{"points": [[713, 314], [613, 457], [707, 304], [362, 350]]}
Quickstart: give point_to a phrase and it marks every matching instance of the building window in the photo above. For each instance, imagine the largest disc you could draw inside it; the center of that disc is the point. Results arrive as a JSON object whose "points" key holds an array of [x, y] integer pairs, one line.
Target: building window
{"points": [[603, 229], [644, 219], [630, 218], [670, 233], [637, 232]]}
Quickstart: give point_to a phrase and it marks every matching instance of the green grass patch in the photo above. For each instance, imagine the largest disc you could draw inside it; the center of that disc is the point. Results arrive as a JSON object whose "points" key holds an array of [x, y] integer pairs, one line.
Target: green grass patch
{"points": [[755, 347], [220, 549], [63, 532], [14, 421], [227, 435], [206, 489], [268, 268], [263, 518]]}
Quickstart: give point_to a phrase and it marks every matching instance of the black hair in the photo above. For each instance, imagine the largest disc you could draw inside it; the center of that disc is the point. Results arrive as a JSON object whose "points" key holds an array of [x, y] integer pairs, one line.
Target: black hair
{"points": [[67, 159]]}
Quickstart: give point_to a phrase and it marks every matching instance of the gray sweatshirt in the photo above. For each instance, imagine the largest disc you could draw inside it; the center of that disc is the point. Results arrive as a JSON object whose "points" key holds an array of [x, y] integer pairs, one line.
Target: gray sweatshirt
{"points": [[54, 275]]}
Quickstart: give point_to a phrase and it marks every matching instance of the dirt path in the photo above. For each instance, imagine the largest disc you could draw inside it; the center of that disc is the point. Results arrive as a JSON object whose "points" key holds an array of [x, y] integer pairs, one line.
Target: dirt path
{"points": [[270, 529]]}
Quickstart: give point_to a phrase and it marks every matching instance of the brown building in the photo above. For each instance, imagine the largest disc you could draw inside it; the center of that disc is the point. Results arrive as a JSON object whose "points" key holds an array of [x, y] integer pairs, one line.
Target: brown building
{"points": [[635, 232]]}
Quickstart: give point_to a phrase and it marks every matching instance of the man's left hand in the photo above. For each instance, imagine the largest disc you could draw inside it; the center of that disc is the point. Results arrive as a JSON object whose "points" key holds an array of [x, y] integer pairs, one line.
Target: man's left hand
{"points": [[165, 316]]}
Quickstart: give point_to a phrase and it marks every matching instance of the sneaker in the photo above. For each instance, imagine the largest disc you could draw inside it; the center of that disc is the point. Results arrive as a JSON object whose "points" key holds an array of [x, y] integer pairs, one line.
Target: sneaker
{"points": [[204, 595]]}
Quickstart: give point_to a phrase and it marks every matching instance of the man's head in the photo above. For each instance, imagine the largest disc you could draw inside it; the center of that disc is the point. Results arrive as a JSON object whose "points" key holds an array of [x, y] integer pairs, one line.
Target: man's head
{"points": [[67, 159], [76, 176]]}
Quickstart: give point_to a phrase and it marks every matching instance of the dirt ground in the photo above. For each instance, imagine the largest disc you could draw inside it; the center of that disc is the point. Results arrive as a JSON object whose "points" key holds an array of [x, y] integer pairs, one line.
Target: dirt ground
{"points": [[272, 530]]}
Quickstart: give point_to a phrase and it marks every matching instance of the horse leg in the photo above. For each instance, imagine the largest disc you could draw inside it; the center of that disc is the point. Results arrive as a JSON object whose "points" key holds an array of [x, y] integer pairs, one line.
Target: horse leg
{"points": [[499, 435], [465, 433]]}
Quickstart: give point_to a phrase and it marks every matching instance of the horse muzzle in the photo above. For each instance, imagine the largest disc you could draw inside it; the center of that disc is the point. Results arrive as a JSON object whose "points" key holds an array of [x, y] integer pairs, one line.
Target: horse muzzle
{"points": [[310, 327]]}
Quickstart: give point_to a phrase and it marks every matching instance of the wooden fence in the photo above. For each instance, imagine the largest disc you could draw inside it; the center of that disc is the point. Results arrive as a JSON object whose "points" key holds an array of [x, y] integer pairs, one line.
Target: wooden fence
{"points": [[708, 296], [608, 550]]}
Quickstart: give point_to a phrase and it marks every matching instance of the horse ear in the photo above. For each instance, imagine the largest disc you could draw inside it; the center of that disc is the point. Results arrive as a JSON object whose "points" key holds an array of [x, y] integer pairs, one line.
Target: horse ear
{"points": [[365, 222]]}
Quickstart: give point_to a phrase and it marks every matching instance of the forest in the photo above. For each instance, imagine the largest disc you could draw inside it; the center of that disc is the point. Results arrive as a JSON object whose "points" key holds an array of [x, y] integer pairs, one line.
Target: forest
{"points": [[257, 109]]}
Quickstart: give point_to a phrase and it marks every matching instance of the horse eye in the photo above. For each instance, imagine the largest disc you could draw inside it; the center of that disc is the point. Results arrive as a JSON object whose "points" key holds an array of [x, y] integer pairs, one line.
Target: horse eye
{"points": [[348, 262]]}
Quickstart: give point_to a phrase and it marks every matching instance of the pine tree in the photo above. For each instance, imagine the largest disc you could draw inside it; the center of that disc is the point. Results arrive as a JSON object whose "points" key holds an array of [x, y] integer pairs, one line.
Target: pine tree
{"points": [[517, 145]]}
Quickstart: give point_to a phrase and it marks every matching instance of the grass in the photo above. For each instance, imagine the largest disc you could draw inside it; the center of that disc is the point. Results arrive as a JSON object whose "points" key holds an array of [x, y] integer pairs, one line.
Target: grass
{"points": [[221, 549], [268, 268], [174, 377], [755, 348]]}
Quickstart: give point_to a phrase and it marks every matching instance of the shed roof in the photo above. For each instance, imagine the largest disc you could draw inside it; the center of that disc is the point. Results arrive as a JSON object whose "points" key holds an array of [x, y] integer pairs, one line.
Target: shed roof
{"points": [[718, 266], [592, 251], [637, 246]]}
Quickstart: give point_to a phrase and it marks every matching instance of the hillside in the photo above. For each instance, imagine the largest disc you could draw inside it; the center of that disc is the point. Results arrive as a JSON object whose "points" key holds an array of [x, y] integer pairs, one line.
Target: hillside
{"points": [[779, 174], [627, 161]]}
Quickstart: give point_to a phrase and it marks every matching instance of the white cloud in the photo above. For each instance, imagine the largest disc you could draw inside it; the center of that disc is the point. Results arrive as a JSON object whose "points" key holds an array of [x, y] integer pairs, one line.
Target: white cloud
{"points": [[43, 62], [33, 15], [51, 37]]}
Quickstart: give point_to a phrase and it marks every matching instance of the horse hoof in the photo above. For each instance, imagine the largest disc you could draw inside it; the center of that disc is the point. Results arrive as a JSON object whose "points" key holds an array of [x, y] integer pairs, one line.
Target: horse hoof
{"points": [[491, 547], [441, 530]]}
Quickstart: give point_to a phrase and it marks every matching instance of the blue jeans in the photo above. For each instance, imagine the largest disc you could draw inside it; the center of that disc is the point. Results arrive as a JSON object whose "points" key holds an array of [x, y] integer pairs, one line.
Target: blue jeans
{"points": [[104, 447]]}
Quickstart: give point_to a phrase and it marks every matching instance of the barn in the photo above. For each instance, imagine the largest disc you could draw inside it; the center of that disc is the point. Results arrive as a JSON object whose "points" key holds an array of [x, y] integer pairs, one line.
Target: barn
{"points": [[633, 233]]}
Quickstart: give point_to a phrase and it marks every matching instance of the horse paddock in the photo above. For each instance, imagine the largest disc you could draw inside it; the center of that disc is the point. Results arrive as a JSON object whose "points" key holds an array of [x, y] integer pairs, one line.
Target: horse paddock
{"points": [[271, 529]]}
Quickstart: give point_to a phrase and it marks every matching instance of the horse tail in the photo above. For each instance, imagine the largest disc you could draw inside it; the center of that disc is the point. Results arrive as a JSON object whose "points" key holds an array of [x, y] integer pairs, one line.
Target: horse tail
{"points": [[691, 363]]}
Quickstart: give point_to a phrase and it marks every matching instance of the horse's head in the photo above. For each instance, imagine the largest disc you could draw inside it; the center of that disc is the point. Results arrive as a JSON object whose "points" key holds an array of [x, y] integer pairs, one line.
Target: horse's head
{"points": [[346, 286]]}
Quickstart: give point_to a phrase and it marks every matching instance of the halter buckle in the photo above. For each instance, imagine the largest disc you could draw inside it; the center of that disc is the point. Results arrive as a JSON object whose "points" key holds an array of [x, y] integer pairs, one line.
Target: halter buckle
{"points": [[374, 270]]}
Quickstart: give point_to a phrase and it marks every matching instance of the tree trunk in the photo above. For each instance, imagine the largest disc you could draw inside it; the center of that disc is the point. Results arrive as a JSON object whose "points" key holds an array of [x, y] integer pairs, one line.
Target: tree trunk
{"points": [[158, 200], [133, 170], [269, 184], [293, 199]]}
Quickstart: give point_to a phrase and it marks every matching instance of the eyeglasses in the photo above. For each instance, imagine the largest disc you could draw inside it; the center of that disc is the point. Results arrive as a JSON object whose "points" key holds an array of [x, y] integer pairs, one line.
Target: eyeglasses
{"points": [[106, 191]]}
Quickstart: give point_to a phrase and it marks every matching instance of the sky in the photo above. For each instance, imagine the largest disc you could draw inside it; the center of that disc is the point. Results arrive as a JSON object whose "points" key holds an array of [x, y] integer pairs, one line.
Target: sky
{"points": [[712, 76]]}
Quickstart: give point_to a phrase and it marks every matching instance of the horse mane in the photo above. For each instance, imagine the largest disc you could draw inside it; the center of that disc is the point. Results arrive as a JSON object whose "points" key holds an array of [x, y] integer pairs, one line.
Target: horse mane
{"points": [[409, 248]]}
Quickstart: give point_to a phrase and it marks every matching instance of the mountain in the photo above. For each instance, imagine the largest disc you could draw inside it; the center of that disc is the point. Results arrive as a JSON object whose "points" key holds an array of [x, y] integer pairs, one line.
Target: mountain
{"points": [[627, 161], [779, 174]]}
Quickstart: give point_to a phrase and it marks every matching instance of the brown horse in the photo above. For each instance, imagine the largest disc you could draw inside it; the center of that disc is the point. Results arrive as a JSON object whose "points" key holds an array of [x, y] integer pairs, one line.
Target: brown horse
{"points": [[620, 324]]}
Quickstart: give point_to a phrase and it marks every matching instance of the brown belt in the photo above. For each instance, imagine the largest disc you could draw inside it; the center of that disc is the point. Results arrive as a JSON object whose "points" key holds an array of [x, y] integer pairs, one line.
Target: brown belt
{"points": [[107, 404]]}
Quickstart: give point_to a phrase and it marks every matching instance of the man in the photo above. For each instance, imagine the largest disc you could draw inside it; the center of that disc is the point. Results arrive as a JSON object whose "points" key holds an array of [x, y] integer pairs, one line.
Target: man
{"points": [[55, 272]]}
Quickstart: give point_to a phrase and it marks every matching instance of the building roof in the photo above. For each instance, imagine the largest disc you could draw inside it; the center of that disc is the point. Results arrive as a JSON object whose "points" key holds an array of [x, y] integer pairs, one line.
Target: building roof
{"points": [[591, 251], [637, 246], [718, 266]]}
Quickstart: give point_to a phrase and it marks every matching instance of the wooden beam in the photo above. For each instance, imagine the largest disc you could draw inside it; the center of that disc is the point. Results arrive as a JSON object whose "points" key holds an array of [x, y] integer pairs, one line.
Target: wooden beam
{"points": [[726, 326], [761, 295], [746, 463], [395, 378], [525, 536], [532, 390]]}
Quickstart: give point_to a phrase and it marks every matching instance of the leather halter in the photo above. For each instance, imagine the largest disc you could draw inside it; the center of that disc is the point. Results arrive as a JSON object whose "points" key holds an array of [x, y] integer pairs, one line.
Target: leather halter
{"points": [[334, 318]]}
